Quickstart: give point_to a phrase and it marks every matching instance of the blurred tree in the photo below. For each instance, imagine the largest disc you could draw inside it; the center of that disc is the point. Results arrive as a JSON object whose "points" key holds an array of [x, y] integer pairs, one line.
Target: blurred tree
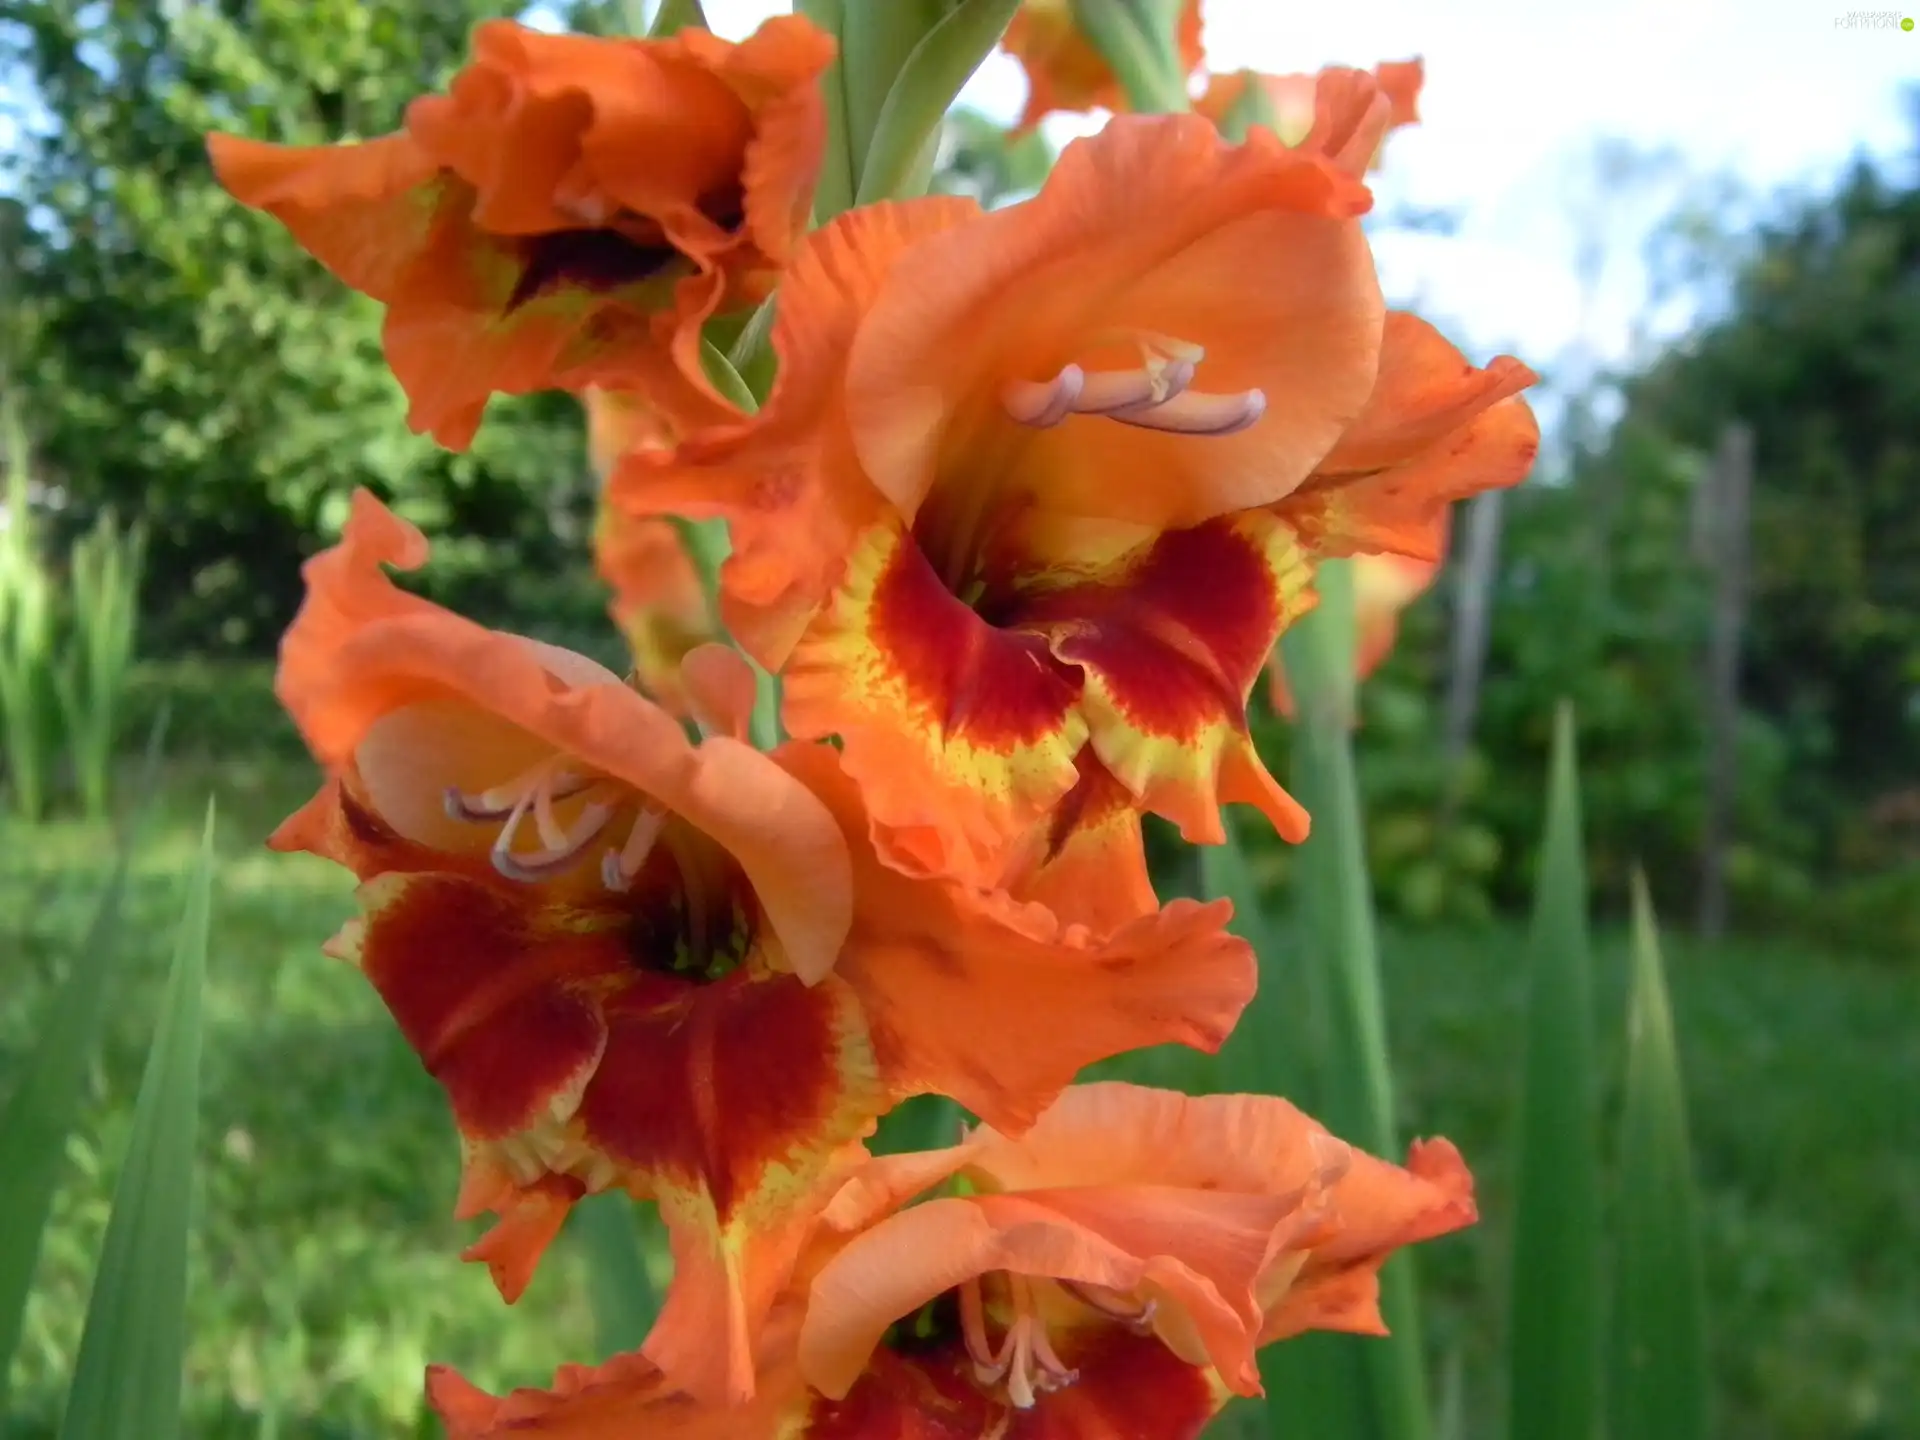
{"points": [[182, 360], [1819, 350]]}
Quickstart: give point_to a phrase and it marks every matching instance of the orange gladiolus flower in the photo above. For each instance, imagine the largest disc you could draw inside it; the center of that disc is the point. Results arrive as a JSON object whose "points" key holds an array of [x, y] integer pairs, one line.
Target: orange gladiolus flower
{"points": [[1110, 1272], [1000, 524], [1303, 104], [569, 213], [1065, 71], [659, 603], [680, 970]]}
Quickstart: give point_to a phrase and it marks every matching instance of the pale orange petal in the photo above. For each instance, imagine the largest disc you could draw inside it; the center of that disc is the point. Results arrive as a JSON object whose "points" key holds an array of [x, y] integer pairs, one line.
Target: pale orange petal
{"points": [[1130, 235], [361, 651]]}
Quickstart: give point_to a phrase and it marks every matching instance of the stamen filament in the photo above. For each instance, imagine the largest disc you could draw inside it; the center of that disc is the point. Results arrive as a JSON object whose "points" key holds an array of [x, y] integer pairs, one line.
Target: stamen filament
{"points": [[545, 863], [1153, 397], [1193, 413], [618, 867]]}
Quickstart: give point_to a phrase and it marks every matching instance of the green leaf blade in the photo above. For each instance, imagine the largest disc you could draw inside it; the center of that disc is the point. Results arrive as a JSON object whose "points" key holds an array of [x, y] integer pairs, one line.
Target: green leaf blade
{"points": [[127, 1379], [39, 1114], [1553, 1351], [1658, 1375], [908, 123], [619, 1286], [1329, 1384]]}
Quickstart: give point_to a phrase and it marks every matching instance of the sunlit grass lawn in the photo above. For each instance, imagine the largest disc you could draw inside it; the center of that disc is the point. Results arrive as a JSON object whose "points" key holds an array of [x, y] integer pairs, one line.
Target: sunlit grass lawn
{"points": [[325, 1269]]}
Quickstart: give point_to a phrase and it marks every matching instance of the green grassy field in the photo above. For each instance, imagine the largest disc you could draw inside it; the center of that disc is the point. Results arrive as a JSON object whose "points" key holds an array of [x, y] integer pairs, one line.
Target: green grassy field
{"points": [[325, 1267]]}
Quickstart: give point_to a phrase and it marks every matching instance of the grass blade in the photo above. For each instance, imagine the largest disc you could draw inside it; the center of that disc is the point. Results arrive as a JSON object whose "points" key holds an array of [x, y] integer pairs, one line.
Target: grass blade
{"points": [[608, 1229], [1658, 1388], [39, 1114], [1554, 1342], [128, 1375]]}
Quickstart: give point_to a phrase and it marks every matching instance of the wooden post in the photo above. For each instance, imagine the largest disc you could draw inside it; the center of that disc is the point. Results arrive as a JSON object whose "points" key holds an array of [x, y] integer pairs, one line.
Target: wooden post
{"points": [[1479, 565], [1725, 533]]}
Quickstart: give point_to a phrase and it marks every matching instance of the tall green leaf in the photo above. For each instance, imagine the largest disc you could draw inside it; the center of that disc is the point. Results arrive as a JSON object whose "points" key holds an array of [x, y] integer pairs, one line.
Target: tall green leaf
{"points": [[39, 1113], [127, 1378], [1658, 1376], [608, 1229], [1553, 1350], [899, 155], [1312, 1382], [1374, 1387]]}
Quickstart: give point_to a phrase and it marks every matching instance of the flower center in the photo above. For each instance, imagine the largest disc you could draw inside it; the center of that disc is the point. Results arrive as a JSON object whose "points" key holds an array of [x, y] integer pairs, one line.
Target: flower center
{"points": [[692, 911], [1024, 1364], [956, 527], [610, 250]]}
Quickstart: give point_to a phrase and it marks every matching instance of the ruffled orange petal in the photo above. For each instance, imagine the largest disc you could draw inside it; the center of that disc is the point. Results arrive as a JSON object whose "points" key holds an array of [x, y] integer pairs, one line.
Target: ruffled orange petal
{"points": [[1170, 638], [787, 481], [1112, 1133], [1401, 82], [1438, 429], [627, 1396], [569, 214], [362, 210], [913, 1257], [1350, 119], [963, 991], [1374, 1209], [1087, 860], [1128, 238]]}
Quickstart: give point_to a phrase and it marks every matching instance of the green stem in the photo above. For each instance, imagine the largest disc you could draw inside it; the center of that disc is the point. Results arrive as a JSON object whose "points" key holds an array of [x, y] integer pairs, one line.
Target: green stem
{"points": [[1147, 67]]}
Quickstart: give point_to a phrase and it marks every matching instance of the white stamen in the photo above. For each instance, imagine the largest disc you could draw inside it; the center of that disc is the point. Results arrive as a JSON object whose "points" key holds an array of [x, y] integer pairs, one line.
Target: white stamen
{"points": [[542, 864], [1111, 390], [1194, 413], [1154, 397], [1044, 405], [618, 867]]}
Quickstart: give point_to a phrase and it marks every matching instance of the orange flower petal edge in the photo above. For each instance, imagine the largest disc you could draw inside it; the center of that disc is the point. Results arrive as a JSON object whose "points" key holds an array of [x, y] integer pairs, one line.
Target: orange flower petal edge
{"points": [[569, 213], [1436, 430], [974, 552], [1342, 113], [1212, 1223]]}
